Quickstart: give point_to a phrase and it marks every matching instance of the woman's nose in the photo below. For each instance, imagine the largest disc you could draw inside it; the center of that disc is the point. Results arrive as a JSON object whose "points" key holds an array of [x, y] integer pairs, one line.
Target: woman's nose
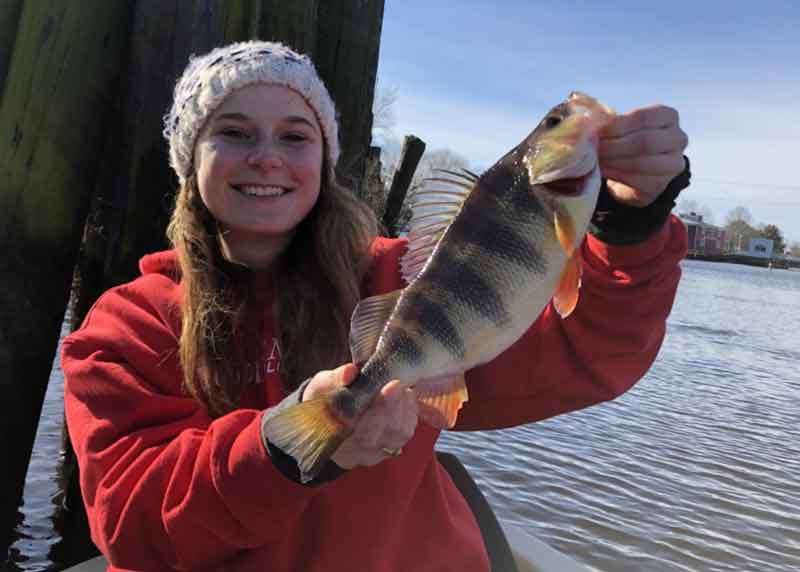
{"points": [[265, 155]]}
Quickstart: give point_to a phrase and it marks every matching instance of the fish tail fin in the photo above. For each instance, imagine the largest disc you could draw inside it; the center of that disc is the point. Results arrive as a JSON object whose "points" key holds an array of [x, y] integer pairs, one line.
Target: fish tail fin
{"points": [[310, 432]]}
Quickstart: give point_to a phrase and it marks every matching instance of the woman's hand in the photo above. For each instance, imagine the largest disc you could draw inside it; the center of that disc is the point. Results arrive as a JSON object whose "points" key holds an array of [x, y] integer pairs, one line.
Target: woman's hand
{"points": [[641, 152], [384, 428]]}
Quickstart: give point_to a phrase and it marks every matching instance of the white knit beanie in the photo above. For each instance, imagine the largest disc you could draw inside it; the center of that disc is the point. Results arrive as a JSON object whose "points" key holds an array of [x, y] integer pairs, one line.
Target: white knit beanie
{"points": [[210, 78]]}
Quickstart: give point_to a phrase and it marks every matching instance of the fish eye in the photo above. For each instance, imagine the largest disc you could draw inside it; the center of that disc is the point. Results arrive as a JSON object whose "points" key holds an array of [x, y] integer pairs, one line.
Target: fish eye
{"points": [[551, 121]]}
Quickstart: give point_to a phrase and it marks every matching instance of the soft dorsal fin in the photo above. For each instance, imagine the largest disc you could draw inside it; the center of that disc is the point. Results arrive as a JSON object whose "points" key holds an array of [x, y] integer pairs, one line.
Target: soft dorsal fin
{"points": [[433, 208], [440, 399], [367, 322]]}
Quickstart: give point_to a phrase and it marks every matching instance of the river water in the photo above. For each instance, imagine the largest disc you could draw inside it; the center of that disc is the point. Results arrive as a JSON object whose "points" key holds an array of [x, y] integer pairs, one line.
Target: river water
{"points": [[697, 468]]}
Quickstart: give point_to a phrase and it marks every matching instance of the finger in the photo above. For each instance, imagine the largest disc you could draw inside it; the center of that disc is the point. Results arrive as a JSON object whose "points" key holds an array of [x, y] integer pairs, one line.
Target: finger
{"points": [[650, 117], [346, 374], [391, 391], [404, 420], [370, 427], [645, 142], [396, 402], [401, 417], [666, 164], [638, 191], [329, 380]]}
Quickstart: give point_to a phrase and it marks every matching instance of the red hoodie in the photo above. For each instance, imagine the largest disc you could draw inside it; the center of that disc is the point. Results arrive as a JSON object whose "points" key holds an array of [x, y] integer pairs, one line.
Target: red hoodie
{"points": [[168, 488]]}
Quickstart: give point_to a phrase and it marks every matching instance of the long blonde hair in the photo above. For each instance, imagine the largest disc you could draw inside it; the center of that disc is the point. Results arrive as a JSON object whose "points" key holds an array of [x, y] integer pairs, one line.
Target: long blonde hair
{"points": [[316, 286]]}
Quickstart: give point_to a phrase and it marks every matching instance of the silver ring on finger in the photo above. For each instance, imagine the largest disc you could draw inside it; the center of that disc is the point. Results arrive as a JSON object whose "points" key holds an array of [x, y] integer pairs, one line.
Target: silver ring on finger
{"points": [[392, 452]]}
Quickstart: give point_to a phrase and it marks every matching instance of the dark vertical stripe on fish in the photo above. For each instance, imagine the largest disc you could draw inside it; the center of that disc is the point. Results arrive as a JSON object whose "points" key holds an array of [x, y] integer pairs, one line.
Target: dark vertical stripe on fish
{"points": [[400, 344], [466, 285], [434, 320], [485, 224], [508, 182]]}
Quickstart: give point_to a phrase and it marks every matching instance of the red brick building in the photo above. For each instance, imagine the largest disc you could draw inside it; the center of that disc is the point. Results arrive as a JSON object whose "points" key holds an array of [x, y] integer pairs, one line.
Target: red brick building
{"points": [[704, 238]]}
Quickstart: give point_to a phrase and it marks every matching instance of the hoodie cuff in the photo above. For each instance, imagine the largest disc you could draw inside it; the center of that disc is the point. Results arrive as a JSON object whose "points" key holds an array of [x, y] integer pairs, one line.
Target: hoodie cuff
{"points": [[617, 223], [286, 463]]}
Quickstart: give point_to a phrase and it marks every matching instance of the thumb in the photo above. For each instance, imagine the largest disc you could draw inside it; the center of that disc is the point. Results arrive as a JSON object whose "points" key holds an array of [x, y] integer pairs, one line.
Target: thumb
{"points": [[330, 380], [625, 194], [346, 374]]}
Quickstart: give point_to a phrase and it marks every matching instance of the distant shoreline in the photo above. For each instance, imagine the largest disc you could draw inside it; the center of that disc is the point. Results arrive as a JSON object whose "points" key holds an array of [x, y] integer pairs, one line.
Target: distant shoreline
{"points": [[744, 259]]}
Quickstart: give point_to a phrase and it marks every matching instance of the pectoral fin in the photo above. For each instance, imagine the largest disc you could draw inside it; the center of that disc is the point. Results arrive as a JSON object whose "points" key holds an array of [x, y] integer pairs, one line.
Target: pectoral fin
{"points": [[441, 399], [566, 296], [565, 231]]}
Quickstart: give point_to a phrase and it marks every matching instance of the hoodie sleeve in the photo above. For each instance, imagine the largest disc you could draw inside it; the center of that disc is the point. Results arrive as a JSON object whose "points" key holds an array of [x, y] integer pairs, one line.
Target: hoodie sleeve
{"points": [[600, 351], [164, 485]]}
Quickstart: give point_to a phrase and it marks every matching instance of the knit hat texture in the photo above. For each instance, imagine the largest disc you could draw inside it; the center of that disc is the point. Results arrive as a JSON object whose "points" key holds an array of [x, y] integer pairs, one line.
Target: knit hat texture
{"points": [[210, 78]]}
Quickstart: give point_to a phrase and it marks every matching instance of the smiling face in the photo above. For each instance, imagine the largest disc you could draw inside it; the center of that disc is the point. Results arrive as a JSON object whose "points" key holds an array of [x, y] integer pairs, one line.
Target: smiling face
{"points": [[258, 162]]}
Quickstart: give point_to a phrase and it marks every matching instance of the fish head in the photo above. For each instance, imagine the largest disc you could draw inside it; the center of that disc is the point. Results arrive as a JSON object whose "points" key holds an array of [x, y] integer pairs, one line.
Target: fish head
{"points": [[561, 153]]}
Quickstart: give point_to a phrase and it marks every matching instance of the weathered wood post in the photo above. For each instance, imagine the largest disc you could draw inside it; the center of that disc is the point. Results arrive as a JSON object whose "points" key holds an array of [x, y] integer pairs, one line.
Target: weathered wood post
{"points": [[9, 18], [343, 39], [410, 155], [52, 118], [134, 185], [347, 47]]}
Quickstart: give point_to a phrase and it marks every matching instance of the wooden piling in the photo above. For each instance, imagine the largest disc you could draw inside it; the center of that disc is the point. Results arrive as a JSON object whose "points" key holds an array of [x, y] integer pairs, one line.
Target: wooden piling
{"points": [[348, 43], [410, 155], [52, 116], [9, 19]]}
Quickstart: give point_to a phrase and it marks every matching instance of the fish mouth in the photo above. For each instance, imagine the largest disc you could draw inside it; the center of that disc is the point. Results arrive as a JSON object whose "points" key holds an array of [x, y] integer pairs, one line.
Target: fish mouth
{"points": [[571, 180], [568, 187]]}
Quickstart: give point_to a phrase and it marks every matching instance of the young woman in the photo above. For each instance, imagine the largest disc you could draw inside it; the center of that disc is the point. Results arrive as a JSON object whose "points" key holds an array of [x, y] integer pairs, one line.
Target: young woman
{"points": [[168, 379]]}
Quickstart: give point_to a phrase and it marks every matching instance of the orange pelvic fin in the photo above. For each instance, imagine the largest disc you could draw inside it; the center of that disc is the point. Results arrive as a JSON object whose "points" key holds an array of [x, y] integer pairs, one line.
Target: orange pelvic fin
{"points": [[566, 296], [441, 399], [310, 432]]}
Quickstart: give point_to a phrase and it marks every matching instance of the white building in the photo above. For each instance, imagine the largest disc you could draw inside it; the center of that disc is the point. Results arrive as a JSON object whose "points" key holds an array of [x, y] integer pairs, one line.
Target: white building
{"points": [[761, 247]]}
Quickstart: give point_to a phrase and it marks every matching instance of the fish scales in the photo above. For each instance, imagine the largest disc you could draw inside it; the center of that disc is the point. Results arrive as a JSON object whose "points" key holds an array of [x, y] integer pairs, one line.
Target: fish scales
{"points": [[419, 311]]}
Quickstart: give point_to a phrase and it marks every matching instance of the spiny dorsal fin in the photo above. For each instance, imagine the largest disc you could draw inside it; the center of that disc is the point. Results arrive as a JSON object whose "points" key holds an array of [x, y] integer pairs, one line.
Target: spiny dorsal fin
{"points": [[433, 208], [440, 400], [566, 297], [367, 322]]}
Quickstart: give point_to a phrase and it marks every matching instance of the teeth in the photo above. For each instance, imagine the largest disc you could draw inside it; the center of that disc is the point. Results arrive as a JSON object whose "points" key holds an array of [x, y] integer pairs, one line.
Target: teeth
{"points": [[258, 191]]}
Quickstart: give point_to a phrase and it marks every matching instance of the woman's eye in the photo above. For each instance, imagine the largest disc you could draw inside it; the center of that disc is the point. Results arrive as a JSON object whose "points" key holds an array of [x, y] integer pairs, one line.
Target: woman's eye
{"points": [[295, 137], [233, 133]]}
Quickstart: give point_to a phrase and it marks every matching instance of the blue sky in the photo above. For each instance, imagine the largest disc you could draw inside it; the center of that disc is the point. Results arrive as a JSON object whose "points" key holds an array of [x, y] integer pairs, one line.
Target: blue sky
{"points": [[475, 76]]}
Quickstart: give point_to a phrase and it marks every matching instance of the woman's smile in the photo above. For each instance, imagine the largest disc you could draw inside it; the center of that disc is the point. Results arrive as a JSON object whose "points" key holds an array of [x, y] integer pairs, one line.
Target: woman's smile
{"points": [[259, 169], [261, 191]]}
